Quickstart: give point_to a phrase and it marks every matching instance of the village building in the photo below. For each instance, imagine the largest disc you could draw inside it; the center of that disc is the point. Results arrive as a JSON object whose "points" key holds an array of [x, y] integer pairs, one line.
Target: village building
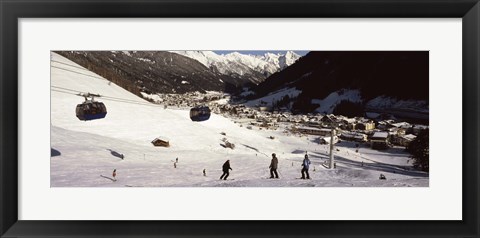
{"points": [[353, 136], [379, 140], [382, 125], [397, 131], [365, 125], [417, 128], [403, 140], [347, 123], [329, 121], [313, 131], [264, 108]]}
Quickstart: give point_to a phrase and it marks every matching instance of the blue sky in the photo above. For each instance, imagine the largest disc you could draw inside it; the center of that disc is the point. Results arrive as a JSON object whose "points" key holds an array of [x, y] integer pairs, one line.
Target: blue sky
{"points": [[260, 52]]}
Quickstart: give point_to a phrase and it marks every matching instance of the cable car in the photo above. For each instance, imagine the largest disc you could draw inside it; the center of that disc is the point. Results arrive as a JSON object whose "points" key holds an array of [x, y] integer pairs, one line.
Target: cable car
{"points": [[201, 113], [90, 109]]}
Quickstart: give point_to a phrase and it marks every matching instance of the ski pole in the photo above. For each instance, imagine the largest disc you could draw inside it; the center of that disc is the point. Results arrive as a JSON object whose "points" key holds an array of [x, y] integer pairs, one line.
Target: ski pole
{"points": [[280, 172]]}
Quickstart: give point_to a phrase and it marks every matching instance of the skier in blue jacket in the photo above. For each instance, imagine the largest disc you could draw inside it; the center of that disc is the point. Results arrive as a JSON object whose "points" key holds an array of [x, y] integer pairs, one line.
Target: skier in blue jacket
{"points": [[305, 165]]}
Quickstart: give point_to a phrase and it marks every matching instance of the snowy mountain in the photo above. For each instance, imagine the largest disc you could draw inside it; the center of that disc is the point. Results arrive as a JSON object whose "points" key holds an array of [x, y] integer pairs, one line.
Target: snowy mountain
{"points": [[392, 82], [252, 67], [83, 151]]}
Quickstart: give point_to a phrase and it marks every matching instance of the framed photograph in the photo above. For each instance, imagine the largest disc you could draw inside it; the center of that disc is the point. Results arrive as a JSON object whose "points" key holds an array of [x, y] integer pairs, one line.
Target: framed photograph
{"points": [[223, 118]]}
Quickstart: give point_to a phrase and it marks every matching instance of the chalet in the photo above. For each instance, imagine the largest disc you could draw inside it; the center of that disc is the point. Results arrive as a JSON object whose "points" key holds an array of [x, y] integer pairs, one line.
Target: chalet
{"points": [[282, 118], [418, 128], [352, 136], [404, 125], [397, 131], [161, 141], [264, 108], [379, 140], [384, 125], [365, 126], [347, 123], [329, 120], [313, 131], [403, 140]]}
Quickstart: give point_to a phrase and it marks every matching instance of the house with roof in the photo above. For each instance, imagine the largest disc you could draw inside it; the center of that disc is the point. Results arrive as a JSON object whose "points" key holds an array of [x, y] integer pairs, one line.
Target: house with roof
{"points": [[353, 136], [365, 125], [313, 131], [403, 140], [379, 140], [161, 141], [329, 121]]}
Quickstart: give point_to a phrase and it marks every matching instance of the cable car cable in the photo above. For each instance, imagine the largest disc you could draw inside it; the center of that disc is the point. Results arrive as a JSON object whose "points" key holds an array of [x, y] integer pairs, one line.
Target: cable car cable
{"points": [[93, 76], [113, 99]]}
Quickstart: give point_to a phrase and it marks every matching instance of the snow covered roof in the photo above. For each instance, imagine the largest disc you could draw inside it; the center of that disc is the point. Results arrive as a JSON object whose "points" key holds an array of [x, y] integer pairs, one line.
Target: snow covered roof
{"points": [[420, 127], [161, 138], [410, 137], [380, 134], [353, 135], [402, 125]]}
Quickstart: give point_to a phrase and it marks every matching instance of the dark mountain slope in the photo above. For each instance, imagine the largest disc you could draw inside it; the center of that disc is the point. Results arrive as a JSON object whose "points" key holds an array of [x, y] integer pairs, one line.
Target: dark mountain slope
{"points": [[397, 74]]}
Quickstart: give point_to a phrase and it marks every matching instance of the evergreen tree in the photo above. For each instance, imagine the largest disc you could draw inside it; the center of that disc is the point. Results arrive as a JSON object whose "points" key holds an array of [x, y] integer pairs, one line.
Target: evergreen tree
{"points": [[419, 150]]}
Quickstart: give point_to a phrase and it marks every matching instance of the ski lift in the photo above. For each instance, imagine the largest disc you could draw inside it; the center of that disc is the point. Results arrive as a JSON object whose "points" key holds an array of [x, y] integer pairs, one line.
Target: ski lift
{"points": [[90, 109], [200, 113]]}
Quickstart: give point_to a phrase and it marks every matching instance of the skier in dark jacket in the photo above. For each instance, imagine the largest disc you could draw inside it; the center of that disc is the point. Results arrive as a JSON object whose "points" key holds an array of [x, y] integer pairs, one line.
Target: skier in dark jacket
{"points": [[226, 168], [305, 165], [273, 166]]}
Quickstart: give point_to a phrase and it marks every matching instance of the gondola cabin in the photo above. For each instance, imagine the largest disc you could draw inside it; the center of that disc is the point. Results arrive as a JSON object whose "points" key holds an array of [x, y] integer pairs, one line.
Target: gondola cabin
{"points": [[200, 113], [91, 110]]}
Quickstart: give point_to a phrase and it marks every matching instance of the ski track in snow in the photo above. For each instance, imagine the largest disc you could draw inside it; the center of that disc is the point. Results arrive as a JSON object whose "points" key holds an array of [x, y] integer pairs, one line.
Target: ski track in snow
{"points": [[82, 151]]}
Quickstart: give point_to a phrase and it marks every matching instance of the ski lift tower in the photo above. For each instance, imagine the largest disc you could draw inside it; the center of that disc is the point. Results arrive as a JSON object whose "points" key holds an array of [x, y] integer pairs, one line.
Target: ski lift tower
{"points": [[332, 160]]}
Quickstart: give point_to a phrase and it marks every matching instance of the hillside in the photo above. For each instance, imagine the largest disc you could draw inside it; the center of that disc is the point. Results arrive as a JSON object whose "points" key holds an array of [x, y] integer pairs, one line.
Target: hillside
{"points": [[360, 79]]}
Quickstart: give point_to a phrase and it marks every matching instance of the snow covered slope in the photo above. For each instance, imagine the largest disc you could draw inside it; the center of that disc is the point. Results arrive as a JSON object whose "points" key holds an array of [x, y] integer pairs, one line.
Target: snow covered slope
{"points": [[83, 151], [328, 104], [257, 66]]}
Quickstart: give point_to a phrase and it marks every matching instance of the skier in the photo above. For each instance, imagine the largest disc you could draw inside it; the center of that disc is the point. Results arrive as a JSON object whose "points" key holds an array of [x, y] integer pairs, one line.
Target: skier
{"points": [[305, 165], [204, 172], [273, 166], [176, 160], [226, 168], [114, 174]]}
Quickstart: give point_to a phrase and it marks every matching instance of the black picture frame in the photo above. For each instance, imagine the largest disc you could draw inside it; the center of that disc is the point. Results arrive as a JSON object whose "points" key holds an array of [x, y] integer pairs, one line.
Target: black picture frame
{"points": [[12, 10]]}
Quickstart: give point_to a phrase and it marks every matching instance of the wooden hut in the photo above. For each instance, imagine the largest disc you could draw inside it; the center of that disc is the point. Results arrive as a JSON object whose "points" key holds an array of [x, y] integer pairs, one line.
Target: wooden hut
{"points": [[161, 141]]}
